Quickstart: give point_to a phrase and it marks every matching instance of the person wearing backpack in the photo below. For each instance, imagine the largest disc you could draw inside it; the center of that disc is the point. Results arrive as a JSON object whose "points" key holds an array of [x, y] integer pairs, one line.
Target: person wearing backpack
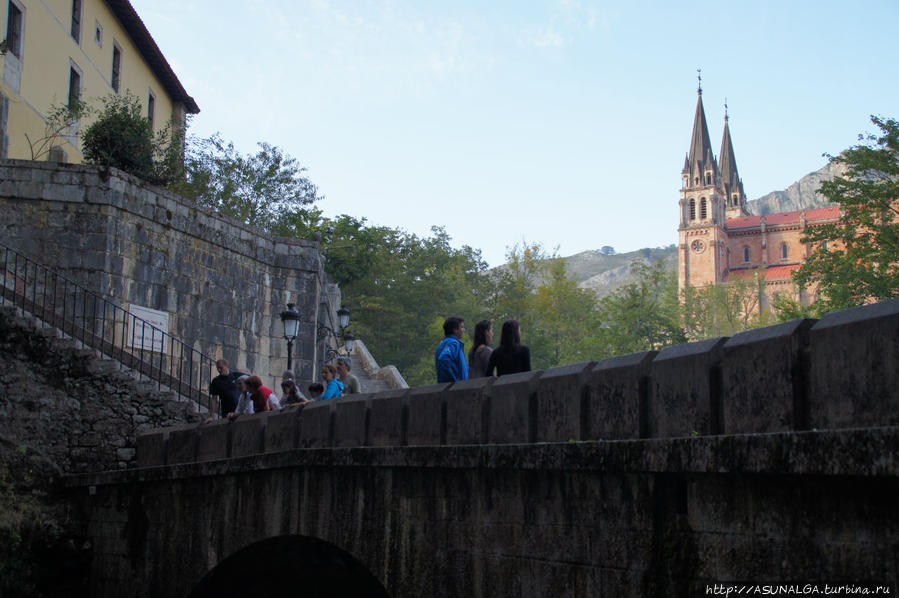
{"points": [[449, 357]]}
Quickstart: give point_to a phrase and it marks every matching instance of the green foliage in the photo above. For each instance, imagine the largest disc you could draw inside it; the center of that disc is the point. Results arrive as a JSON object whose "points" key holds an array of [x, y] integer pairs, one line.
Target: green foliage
{"points": [[856, 260], [60, 125], [724, 309], [123, 138], [400, 287], [266, 189], [642, 315]]}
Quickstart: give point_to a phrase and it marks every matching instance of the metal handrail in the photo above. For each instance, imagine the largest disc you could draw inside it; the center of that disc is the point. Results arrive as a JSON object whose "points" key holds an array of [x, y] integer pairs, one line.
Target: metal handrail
{"points": [[100, 324]]}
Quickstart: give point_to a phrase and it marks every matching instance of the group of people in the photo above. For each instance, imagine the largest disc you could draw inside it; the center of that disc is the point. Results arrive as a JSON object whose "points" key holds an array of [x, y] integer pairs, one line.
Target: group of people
{"points": [[236, 393], [509, 357]]}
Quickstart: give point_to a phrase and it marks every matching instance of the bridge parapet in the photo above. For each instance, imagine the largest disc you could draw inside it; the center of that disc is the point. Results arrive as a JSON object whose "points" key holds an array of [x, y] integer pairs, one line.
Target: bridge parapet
{"points": [[839, 372]]}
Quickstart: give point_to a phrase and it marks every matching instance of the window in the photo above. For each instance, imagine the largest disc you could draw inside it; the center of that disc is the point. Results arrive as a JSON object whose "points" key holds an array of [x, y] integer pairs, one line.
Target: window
{"points": [[735, 200], [76, 20], [98, 34], [74, 86], [708, 179], [745, 255], [14, 26], [151, 108], [116, 67], [695, 180], [784, 251], [703, 210], [692, 209]]}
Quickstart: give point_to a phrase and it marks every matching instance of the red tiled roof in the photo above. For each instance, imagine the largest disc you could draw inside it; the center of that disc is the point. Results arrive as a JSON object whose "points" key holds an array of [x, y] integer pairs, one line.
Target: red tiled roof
{"points": [[745, 222], [770, 273], [782, 218], [831, 213]]}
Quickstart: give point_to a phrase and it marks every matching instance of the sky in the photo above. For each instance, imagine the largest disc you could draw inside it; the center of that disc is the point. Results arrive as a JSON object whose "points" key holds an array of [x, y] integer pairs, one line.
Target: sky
{"points": [[559, 122]]}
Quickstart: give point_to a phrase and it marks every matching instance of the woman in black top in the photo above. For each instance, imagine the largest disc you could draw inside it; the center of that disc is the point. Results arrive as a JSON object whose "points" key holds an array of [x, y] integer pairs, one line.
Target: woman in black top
{"points": [[479, 356], [511, 356]]}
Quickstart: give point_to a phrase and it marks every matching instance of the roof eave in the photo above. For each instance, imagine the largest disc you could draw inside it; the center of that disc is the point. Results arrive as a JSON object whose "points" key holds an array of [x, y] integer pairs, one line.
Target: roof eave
{"points": [[146, 45]]}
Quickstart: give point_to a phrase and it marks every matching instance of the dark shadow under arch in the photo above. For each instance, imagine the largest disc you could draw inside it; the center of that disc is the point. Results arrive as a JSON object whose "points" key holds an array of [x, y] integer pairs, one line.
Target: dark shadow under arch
{"points": [[290, 566]]}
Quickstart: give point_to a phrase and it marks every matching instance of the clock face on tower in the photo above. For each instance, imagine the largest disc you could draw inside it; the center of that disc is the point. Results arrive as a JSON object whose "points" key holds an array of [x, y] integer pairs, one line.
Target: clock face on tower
{"points": [[697, 246]]}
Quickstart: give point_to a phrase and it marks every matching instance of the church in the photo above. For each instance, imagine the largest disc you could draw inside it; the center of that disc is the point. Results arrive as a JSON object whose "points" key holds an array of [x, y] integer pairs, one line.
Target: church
{"points": [[720, 241]]}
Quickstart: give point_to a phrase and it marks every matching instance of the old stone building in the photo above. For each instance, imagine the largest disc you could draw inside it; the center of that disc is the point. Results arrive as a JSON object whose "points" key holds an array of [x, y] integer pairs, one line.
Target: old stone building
{"points": [[719, 240], [60, 51]]}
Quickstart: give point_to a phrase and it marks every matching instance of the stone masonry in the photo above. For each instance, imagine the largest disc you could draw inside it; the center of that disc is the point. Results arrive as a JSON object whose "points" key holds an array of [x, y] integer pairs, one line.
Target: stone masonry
{"points": [[78, 411], [222, 283]]}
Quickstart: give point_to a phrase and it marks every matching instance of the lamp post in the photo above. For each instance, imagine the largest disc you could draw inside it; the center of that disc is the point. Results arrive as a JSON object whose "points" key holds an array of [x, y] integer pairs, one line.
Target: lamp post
{"points": [[348, 341], [290, 317], [343, 317]]}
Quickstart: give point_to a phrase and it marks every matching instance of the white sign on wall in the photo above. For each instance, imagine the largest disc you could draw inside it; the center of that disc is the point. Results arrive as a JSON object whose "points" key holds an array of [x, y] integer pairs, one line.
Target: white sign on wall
{"points": [[143, 336]]}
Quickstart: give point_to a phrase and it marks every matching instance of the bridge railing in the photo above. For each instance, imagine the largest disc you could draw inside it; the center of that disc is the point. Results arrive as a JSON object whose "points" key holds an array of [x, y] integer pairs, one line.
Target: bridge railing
{"points": [[839, 372], [99, 323]]}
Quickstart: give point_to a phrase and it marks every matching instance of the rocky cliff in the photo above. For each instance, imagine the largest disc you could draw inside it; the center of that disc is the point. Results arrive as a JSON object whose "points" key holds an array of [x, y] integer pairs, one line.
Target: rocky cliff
{"points": [[801, 195]]}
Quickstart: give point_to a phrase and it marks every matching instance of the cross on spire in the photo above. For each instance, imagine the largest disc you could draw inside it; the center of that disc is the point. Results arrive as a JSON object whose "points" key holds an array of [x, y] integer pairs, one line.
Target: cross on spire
{"points": [[699, 76], [725, 108]]}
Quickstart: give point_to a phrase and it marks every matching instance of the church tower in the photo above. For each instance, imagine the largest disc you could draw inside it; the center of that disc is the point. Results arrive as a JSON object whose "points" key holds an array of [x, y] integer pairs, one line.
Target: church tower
{"points": [[702, 250], [735, 198]]}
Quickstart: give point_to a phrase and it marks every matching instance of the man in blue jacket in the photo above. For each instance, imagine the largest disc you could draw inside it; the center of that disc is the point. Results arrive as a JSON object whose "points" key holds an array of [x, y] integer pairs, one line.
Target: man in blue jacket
{"points": [[449, 358]]}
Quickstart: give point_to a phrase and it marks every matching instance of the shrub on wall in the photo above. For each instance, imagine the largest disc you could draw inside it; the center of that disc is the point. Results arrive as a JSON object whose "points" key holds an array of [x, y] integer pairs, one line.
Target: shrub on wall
{"points": [[123, 138]]}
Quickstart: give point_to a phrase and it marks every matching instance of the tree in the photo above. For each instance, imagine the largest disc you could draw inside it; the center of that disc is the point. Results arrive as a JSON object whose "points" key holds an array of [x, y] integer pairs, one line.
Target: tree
{"points": [[856, 260], [123, 138], [400, 287], [266, 189], [642, 315], [565, 318], [724, 309]]}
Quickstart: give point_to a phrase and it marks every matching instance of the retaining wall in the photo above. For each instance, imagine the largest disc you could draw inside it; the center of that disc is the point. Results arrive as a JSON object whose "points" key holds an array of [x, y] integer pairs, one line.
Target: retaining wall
{"points": [[220, 282]]}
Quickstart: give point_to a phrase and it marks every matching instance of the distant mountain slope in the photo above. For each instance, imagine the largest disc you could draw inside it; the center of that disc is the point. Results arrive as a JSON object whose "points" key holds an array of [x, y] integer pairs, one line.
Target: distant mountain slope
{"points": [[801, 195], [606, 275]]}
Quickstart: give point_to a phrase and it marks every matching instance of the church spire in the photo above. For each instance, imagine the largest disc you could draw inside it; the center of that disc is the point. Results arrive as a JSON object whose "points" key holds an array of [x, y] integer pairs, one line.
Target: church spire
{"points": [[730, 178], [700, 169]]}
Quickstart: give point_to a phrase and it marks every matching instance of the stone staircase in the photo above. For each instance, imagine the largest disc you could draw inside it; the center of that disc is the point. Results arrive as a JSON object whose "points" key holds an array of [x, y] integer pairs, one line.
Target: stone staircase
{"points": [[372, 377]]}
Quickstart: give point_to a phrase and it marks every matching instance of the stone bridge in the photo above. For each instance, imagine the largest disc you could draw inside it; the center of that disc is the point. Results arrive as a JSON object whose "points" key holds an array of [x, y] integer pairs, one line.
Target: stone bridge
{"points": [[766, 458]]}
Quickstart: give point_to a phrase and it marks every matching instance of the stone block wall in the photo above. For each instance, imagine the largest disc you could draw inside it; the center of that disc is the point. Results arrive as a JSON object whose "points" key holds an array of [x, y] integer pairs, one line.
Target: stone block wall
{"points": [[836, 373], [222, 283], [79, 412]]}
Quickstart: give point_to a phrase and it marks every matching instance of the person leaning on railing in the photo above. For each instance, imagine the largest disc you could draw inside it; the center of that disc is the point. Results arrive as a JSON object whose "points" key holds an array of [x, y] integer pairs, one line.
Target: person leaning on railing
{"points": [[223, 389]]}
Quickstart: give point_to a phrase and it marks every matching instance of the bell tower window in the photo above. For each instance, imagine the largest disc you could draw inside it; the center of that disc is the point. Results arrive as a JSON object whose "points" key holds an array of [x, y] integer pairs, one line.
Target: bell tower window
{"points": [[703, 209], [692, 209]]}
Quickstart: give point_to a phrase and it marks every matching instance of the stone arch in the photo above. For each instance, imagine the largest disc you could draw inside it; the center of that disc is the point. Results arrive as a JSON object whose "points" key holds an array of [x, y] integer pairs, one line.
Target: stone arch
{"points": [[290, 566]]}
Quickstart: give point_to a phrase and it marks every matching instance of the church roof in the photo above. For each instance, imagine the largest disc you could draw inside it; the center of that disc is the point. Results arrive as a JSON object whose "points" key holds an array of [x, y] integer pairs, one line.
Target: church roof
{"points": [[769, 273], [727, 164], [782, 218], [744, 222], [700, 157]]}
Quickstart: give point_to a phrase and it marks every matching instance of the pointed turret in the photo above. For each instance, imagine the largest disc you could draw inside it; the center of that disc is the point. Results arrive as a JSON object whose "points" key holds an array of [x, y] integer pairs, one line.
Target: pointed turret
{"points": [[730, 178], [700, 166]]}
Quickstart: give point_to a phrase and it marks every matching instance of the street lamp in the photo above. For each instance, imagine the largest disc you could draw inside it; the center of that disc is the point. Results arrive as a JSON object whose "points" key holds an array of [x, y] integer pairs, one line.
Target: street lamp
{"points": [[291, 320], [348, 341], [343, 316]]}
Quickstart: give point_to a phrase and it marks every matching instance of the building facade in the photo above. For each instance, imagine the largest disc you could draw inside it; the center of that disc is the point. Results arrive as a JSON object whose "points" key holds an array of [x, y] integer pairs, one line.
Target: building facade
{"points": [[56, 51], [719, 240]]}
